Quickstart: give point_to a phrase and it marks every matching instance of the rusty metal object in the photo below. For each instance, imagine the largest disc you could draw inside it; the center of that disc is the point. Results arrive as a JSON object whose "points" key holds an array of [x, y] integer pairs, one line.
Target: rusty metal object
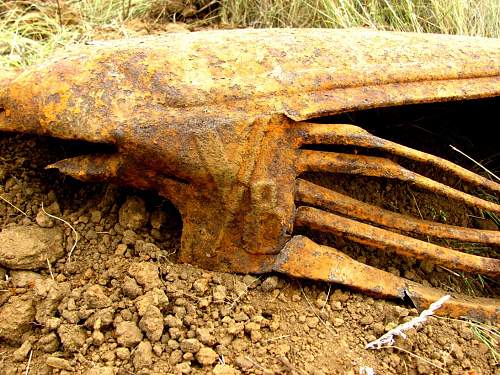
{"points": [[215, 121]]}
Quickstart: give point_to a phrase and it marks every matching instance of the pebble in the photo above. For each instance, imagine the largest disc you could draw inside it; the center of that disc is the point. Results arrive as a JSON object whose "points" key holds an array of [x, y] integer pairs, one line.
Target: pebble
{"points": [[206, 356], [152, 323], [132, 213], [122, 353], [219, 293], [72, 337], [43, 220], [95, 298], [190, 346], [16, 314], [269, 284], [220, 369], [128, 334], [143, 355], [59, 363], [22, 352], [146, 274], [28, 247], [205, 337]]}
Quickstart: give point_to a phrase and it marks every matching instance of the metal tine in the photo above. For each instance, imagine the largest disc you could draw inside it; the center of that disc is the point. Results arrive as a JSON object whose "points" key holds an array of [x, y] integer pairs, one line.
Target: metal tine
{"points": [[351, 135], [383, 239], [332, 162], [311, 194], [302, 257]]}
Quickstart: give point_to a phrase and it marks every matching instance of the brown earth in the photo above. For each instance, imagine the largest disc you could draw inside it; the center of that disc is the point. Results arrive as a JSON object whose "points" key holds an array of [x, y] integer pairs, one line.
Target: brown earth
{"points": [[122, 305]]}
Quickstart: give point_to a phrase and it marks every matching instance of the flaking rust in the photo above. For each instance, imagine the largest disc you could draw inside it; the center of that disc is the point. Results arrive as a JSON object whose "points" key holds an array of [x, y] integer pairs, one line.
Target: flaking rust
{"points": [[215, 121]]}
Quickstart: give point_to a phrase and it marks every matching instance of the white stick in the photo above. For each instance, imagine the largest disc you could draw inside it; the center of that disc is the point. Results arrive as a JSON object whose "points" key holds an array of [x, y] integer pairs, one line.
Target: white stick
{"points": [[388, 338]]}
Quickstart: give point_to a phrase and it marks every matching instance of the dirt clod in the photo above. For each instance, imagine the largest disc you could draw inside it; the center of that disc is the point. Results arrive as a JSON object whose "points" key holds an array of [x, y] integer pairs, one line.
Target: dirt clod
{"points": [[29, 247]]}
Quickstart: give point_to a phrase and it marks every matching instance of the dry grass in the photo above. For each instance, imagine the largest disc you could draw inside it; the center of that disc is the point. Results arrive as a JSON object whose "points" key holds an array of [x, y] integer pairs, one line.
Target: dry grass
{"points": [[30, 30]]}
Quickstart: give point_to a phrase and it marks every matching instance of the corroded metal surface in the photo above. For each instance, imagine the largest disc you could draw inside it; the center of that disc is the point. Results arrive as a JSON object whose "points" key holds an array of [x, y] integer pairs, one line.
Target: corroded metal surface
{"points": [[215, 122]]}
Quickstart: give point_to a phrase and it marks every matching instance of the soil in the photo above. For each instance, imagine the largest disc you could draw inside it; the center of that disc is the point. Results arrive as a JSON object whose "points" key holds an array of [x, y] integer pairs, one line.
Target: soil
{"points": [[122, 305]]}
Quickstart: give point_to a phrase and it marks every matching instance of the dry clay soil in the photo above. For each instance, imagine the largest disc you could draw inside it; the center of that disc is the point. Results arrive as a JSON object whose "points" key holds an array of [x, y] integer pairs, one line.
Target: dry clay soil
{"points": [[122, 305]]}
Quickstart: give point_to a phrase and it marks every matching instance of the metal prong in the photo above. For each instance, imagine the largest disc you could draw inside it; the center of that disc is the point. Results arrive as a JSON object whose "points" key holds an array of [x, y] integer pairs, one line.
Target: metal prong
{"points": [[318, 161], [385, 240], [351, 135], [311, 194], [304, 258]]}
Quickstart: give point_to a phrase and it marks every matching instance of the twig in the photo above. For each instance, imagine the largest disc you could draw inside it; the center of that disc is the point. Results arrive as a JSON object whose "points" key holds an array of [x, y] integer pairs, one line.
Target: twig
{"points": [[242, 294], [255, 363], [327, 296], [29, 363], [69, 225], [17, 208], [388, 338], [50, 269], [284, 360], [277, 338], [475, 162]]}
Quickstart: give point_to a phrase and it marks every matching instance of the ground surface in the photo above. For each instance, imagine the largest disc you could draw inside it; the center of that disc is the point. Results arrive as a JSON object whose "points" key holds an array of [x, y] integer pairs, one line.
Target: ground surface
{"points": [[122, 305]]}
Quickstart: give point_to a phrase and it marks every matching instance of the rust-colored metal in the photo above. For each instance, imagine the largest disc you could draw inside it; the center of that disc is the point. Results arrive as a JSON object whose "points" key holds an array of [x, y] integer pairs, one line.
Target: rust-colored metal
{"points": [[215, 122]]}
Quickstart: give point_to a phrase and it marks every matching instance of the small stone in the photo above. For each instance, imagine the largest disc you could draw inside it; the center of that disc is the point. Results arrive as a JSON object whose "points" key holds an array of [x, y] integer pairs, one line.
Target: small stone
{"points": [[122, 353], [190, 346], [131, 288], [128, 334], [43, 220], [146, 274], [220, 369], [72, 337], [143, 355], [250, 281], [95, 216], [121, 249], [269, 284], [24, 279], [336, 305], [219, 293], [312, 322], [22, 352], [252, 326], [152, 323], [98, 370], [59, 363], [48, 295], [243, 363], [95, 297], [366, 320], [129, 237], [158, 349], [29, 247], [16, 314], [205, 337], [200, 285], [340, 296], [53, 323], [49, 343], [338, 322], [155, 297], [183, 368], [132, 214], [173, 322], [255, 336], [97, 338], [206, 356]]}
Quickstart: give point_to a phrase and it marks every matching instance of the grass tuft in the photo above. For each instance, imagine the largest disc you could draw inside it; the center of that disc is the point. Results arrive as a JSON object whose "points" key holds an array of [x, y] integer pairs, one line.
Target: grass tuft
{"points": [[30, 30]]}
